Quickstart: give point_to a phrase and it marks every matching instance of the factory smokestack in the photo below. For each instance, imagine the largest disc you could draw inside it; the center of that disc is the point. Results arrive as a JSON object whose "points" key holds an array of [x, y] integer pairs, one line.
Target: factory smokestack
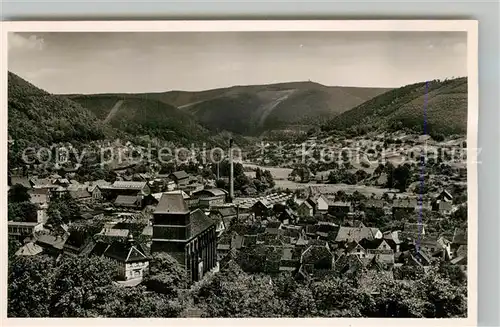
{"points": [[231, 172]]}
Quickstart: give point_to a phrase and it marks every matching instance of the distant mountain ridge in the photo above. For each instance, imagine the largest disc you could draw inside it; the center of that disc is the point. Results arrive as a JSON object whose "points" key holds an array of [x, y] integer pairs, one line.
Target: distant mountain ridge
{"points": [[256, 109], [438, 107]]}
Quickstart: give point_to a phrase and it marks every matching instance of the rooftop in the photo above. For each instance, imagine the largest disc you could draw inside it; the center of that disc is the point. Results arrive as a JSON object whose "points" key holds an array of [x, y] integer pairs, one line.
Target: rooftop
{"points": [[180, 175], [129, 185], [126, 252], [213, 191], [172, 203], [126, 200], [199, 222]]}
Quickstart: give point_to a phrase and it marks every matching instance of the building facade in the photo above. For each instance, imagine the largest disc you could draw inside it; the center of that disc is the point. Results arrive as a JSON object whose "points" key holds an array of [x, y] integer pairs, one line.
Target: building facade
{"points": [[188, 236]]}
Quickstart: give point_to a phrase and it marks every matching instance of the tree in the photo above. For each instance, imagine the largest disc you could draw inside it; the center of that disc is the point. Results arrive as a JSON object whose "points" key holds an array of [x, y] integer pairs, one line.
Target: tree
{"points": [[338, 297], [22, 211], [460, 215], [357, 196], [137, 302], [341, 195], [445, 299], [81, 286], [63, 210], [292, 204], [297, 298], [399, 299], [166, 275], [18, 193], [220, 183], [401, 176], [360, 175], [379, 170], [389, 169], [13, 246], [233, 293], [30, 286]]}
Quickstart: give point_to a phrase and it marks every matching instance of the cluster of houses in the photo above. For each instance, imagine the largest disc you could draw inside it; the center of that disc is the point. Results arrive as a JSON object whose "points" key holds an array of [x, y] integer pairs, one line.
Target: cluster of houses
{"points": [[181, 218], [323, 202], [324, 236], [203, 228]]}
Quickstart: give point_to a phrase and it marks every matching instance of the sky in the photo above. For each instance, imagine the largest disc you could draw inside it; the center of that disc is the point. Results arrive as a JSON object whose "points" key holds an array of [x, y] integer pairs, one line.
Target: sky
{"points": [[69, 62]]}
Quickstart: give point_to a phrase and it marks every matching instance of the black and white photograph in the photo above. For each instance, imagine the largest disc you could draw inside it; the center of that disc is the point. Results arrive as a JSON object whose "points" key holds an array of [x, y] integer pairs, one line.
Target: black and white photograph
{"points": [[241, 170]]}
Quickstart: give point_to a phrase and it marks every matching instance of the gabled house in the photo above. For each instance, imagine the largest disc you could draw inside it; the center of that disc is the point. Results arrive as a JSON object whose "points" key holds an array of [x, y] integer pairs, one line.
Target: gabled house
{"points": [[290, 259], [29, 249], [52, 244], [261, 209], [438, 248], [64, 182], [40, 196], [415, 258], [326, 230], [228, 245], [287, 216], [374, 207], [319, 202], [413, 231], [379, 244], [444, 196], [354, 248], [59, 192], [349, 234], [130, 188], [305, 209], [180, 178], [80, 195], [95, 191], [443, 207], [349, 265], [131, 257], [128, 202], [392, 239], [339, 209], [317, 256], [208, 198], [42, 183], [380, 261], [294, 233], [226, 215], [78, 244], [459, 240]]}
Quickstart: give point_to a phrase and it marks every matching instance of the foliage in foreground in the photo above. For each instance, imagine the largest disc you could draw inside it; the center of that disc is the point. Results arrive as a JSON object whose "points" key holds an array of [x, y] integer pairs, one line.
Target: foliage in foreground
{"points": [[233, 293]]}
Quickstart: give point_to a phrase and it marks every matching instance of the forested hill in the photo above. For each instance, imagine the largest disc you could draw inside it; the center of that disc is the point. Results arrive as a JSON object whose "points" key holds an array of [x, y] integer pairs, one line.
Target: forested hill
{"points": [[141, 116], [40, 118], [440, 106], [255, 109]]}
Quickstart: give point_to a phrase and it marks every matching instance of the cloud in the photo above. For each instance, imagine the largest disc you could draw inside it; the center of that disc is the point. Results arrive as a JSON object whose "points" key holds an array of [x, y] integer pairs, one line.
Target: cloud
{"points": [[18, 41]]}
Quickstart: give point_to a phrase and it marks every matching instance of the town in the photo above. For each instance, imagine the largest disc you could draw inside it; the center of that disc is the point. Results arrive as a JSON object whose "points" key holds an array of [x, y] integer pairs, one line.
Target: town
{"points": [[321, 226], [255, 174]]}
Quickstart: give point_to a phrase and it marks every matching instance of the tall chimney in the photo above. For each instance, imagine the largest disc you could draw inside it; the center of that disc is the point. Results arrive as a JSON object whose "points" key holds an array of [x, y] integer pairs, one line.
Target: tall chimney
{"points": [[231, 172]]}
